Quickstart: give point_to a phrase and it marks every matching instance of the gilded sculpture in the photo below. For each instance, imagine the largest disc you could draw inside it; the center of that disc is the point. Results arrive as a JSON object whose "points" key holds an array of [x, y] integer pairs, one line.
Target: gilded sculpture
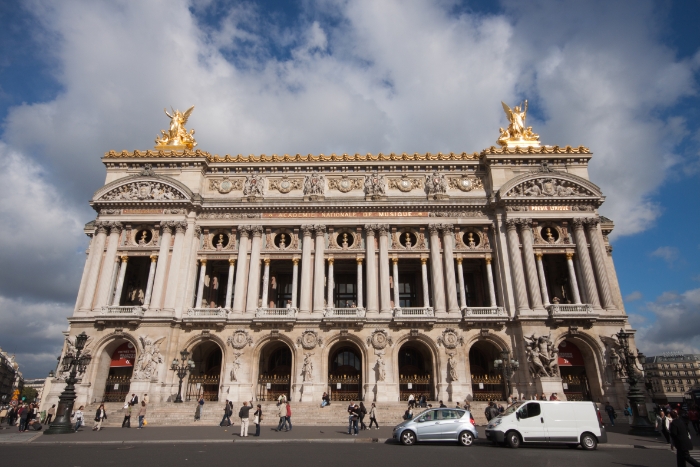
{"points": [[177, 136], [517, 134]]}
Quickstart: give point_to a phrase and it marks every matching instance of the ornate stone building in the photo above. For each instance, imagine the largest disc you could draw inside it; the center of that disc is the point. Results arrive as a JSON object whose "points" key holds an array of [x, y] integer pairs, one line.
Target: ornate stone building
{"points": [[366, 276]]}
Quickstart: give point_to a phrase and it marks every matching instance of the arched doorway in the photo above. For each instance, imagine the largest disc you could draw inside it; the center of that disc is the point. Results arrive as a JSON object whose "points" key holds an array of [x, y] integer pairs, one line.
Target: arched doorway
{"points": [[275, 373], [572, 367], [121, 367], [415, 371], [205, 377], [345, 373], [487, 382]]}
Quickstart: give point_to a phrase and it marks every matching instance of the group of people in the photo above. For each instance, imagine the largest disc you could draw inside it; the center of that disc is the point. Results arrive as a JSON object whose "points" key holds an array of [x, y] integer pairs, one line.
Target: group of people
{"points": [[26, 416], [129, 408], [421, 401], [356, 418], [244, 415], [674, 427]]}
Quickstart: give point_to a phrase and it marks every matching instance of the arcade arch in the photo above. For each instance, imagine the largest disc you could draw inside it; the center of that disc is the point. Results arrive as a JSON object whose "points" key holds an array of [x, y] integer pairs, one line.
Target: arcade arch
{"points": [[114, 371], [416, 370], [487, 382], [579, 371], [275, 371], [205, 378], [345, 372]]}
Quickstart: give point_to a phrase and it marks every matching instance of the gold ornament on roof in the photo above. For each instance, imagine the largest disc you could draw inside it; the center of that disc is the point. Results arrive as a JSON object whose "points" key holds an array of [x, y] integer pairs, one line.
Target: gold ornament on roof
{"points": [[177, 136], [517, 134]]}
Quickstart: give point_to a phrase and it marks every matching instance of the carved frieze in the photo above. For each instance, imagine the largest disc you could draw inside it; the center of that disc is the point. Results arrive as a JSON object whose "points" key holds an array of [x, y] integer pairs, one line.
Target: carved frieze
{"points": [[254, 186], [239, 339], [406, 183], [375, 186], [225, 185], [314, 184], [470, 213], [379, 339], [467, 183], [436, 186], [142, 191], [285, 184], [450, 339], [149, 358], [309, 339], [344, 184], [229, 215], [544, 187]]}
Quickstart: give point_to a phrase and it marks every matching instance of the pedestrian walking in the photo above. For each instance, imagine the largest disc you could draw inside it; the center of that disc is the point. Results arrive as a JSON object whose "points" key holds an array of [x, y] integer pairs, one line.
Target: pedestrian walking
{"points": [[282, 414], [142, 414], [363, 413], [353, 417], [244, 415], [610, 410], [23, 414], [198, 410], [100, 416], [126, 423], [226, 420], [288, 417], [257, 419], [49, 414], [628, 413], [681, 438], [373, 416], [78, 417]]}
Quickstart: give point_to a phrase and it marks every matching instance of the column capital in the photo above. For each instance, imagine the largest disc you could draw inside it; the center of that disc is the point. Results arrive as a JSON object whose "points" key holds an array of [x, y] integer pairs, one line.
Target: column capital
{"points": [[180, 226], [295, 261], [125, 259], [244, 230], [330, 260], [424, 261], [434, 229], [447, 229], [319, 229], [538, 255], [232, 261], [166, 227], [578, 222], [591, 222], [154, 258], [383, 229], [369, 229], [101, 227], [512, 224], [395, 259], [267, 261], [257, 230], [525, 224], [306, 229], [459, 259], [488, 260], [569, 256], [359, 260], [115, 227], [203, 260]]}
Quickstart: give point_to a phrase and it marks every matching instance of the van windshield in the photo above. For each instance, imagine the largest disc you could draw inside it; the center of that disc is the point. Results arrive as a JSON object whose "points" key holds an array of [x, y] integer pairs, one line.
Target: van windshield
{"points": [[513, 408]]}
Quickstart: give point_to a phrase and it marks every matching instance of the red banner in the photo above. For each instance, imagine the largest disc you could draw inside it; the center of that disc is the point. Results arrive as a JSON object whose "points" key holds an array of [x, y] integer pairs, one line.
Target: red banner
{"points": [[124, 355], [569, 354]]}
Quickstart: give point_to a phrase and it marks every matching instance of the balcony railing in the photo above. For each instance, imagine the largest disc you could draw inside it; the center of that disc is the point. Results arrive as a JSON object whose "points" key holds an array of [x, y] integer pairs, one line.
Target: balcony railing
{"points": [[344, 313], [281, 314], [414, 312], [122, 311], [206, 312], [561, 310], [484, 312]]}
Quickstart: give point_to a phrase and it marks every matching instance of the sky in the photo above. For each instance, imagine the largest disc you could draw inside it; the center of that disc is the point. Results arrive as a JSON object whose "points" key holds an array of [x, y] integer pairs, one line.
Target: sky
{"points": [[79, 78]]}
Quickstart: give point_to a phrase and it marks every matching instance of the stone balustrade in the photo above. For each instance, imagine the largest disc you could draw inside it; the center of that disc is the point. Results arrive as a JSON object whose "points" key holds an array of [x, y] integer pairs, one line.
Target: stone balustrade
{"points": [[122, 311], [416, 312], [273, 314], [484, 314]]}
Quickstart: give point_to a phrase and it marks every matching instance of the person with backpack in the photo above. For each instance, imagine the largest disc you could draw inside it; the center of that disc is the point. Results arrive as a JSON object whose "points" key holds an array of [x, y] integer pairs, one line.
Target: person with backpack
{"points": [[363, 413], [610, 410], [628, 412], [228, 411]]}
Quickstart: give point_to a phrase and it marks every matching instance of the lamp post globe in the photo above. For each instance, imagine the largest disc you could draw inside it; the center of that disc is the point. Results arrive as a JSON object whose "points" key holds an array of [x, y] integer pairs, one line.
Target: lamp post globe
{"points": [[640, 426], [181, 370]]}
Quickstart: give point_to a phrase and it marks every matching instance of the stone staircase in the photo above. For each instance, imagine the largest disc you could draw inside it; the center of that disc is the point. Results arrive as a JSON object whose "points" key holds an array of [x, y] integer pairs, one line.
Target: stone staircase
{"points": [[303, 414]]}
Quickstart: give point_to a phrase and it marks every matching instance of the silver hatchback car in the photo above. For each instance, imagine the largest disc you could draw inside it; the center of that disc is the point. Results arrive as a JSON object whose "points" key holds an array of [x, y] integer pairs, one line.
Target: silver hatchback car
{"points": [[437, 425]]}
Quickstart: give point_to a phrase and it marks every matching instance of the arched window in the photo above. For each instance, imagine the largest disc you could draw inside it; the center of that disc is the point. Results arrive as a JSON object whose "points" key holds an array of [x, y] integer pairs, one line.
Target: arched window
{"points": [[347, 359]]}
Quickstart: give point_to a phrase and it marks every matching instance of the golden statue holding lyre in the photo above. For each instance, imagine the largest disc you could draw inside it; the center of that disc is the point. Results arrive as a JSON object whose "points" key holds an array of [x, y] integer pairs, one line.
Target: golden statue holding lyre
{"points": [[517, 134], [177, 136]]}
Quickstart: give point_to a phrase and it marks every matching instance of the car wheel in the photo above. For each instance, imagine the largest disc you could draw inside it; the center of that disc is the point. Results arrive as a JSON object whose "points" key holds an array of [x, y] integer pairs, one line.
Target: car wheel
{"points": [[408, 438], [513, 439], [588, 442], [466, 438]]}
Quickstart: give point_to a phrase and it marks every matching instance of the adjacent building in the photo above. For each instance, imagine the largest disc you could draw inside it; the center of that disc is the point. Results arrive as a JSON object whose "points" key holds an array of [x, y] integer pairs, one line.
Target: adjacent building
{"points": [[10, 377], [368, 276], [671, 376]]}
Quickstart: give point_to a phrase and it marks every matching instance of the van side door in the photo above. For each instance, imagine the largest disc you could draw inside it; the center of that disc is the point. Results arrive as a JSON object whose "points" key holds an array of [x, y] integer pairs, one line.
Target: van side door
{"points": [[531, 422], [560, 422]]}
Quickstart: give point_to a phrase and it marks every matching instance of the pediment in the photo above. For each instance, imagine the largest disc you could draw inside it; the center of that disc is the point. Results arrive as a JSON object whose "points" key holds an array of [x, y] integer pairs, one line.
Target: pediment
{"points": [[543, 185], [140, 188]]}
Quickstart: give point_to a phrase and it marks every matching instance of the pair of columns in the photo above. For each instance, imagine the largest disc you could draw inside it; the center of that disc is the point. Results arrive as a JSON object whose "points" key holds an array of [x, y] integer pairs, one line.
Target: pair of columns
{"points": [[533, 270]]}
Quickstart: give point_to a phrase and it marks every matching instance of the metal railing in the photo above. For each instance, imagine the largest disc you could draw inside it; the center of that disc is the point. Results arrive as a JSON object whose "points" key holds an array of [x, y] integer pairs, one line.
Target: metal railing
{"points": [[122, 310]]}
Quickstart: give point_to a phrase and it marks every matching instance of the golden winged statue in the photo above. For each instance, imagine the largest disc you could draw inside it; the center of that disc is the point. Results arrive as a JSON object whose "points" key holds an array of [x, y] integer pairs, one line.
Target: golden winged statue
{"points": [[177, 136], [517, 134]]}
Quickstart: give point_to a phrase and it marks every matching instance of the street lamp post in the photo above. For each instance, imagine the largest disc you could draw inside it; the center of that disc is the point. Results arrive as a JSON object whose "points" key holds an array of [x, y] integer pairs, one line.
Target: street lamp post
{"points": [[74, 364], [181, 370], [640, 421], [508, 366]]}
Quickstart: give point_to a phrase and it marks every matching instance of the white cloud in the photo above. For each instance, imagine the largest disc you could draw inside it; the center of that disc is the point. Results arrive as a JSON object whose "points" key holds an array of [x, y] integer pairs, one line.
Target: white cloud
{"points": [[677, 326], [634, 296], [667, 253]]}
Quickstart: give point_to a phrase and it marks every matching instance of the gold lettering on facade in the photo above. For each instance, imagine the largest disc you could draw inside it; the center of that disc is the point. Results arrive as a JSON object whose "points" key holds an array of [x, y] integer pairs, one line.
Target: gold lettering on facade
{"points": [[269, 215]]}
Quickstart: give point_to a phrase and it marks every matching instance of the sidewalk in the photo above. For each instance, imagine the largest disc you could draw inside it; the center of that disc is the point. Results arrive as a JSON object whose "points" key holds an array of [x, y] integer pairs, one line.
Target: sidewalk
{"points": [[617, 436]]}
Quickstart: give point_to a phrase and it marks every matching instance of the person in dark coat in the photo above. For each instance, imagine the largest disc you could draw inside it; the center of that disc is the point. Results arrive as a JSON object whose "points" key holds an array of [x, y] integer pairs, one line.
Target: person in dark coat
{"points": [[681, 439]]}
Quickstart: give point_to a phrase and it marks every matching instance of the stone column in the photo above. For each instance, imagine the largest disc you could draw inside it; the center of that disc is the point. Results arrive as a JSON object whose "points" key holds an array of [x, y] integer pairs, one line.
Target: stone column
{"points": [[319, 269], [598, 249], [395, 275], [448, 257], [530, 266], [120, 281], [162, 265], [371, 270], [579, 275], [306, 271], [359, 302], [585, 262], [492, 288], [86, 269], [266, 283], [229, 282], [516, 261], [113, 280], [543, 281], [200, 284], [436, 271], [331, 284], [95, 259], [242, 273], [175, 262], [572, 278], [424, 274], [149, 283], [384, 288], [103, 288], [295, 280], [460, 276], [254, 276]]}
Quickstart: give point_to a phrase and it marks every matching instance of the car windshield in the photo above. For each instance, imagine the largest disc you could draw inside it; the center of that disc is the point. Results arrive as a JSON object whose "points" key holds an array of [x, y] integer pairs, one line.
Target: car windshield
{"points": [[513, 408]]}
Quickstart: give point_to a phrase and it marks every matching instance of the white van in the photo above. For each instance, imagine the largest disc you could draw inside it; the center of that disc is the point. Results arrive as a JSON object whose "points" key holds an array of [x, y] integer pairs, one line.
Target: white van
{"points": [[561, 422]]}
